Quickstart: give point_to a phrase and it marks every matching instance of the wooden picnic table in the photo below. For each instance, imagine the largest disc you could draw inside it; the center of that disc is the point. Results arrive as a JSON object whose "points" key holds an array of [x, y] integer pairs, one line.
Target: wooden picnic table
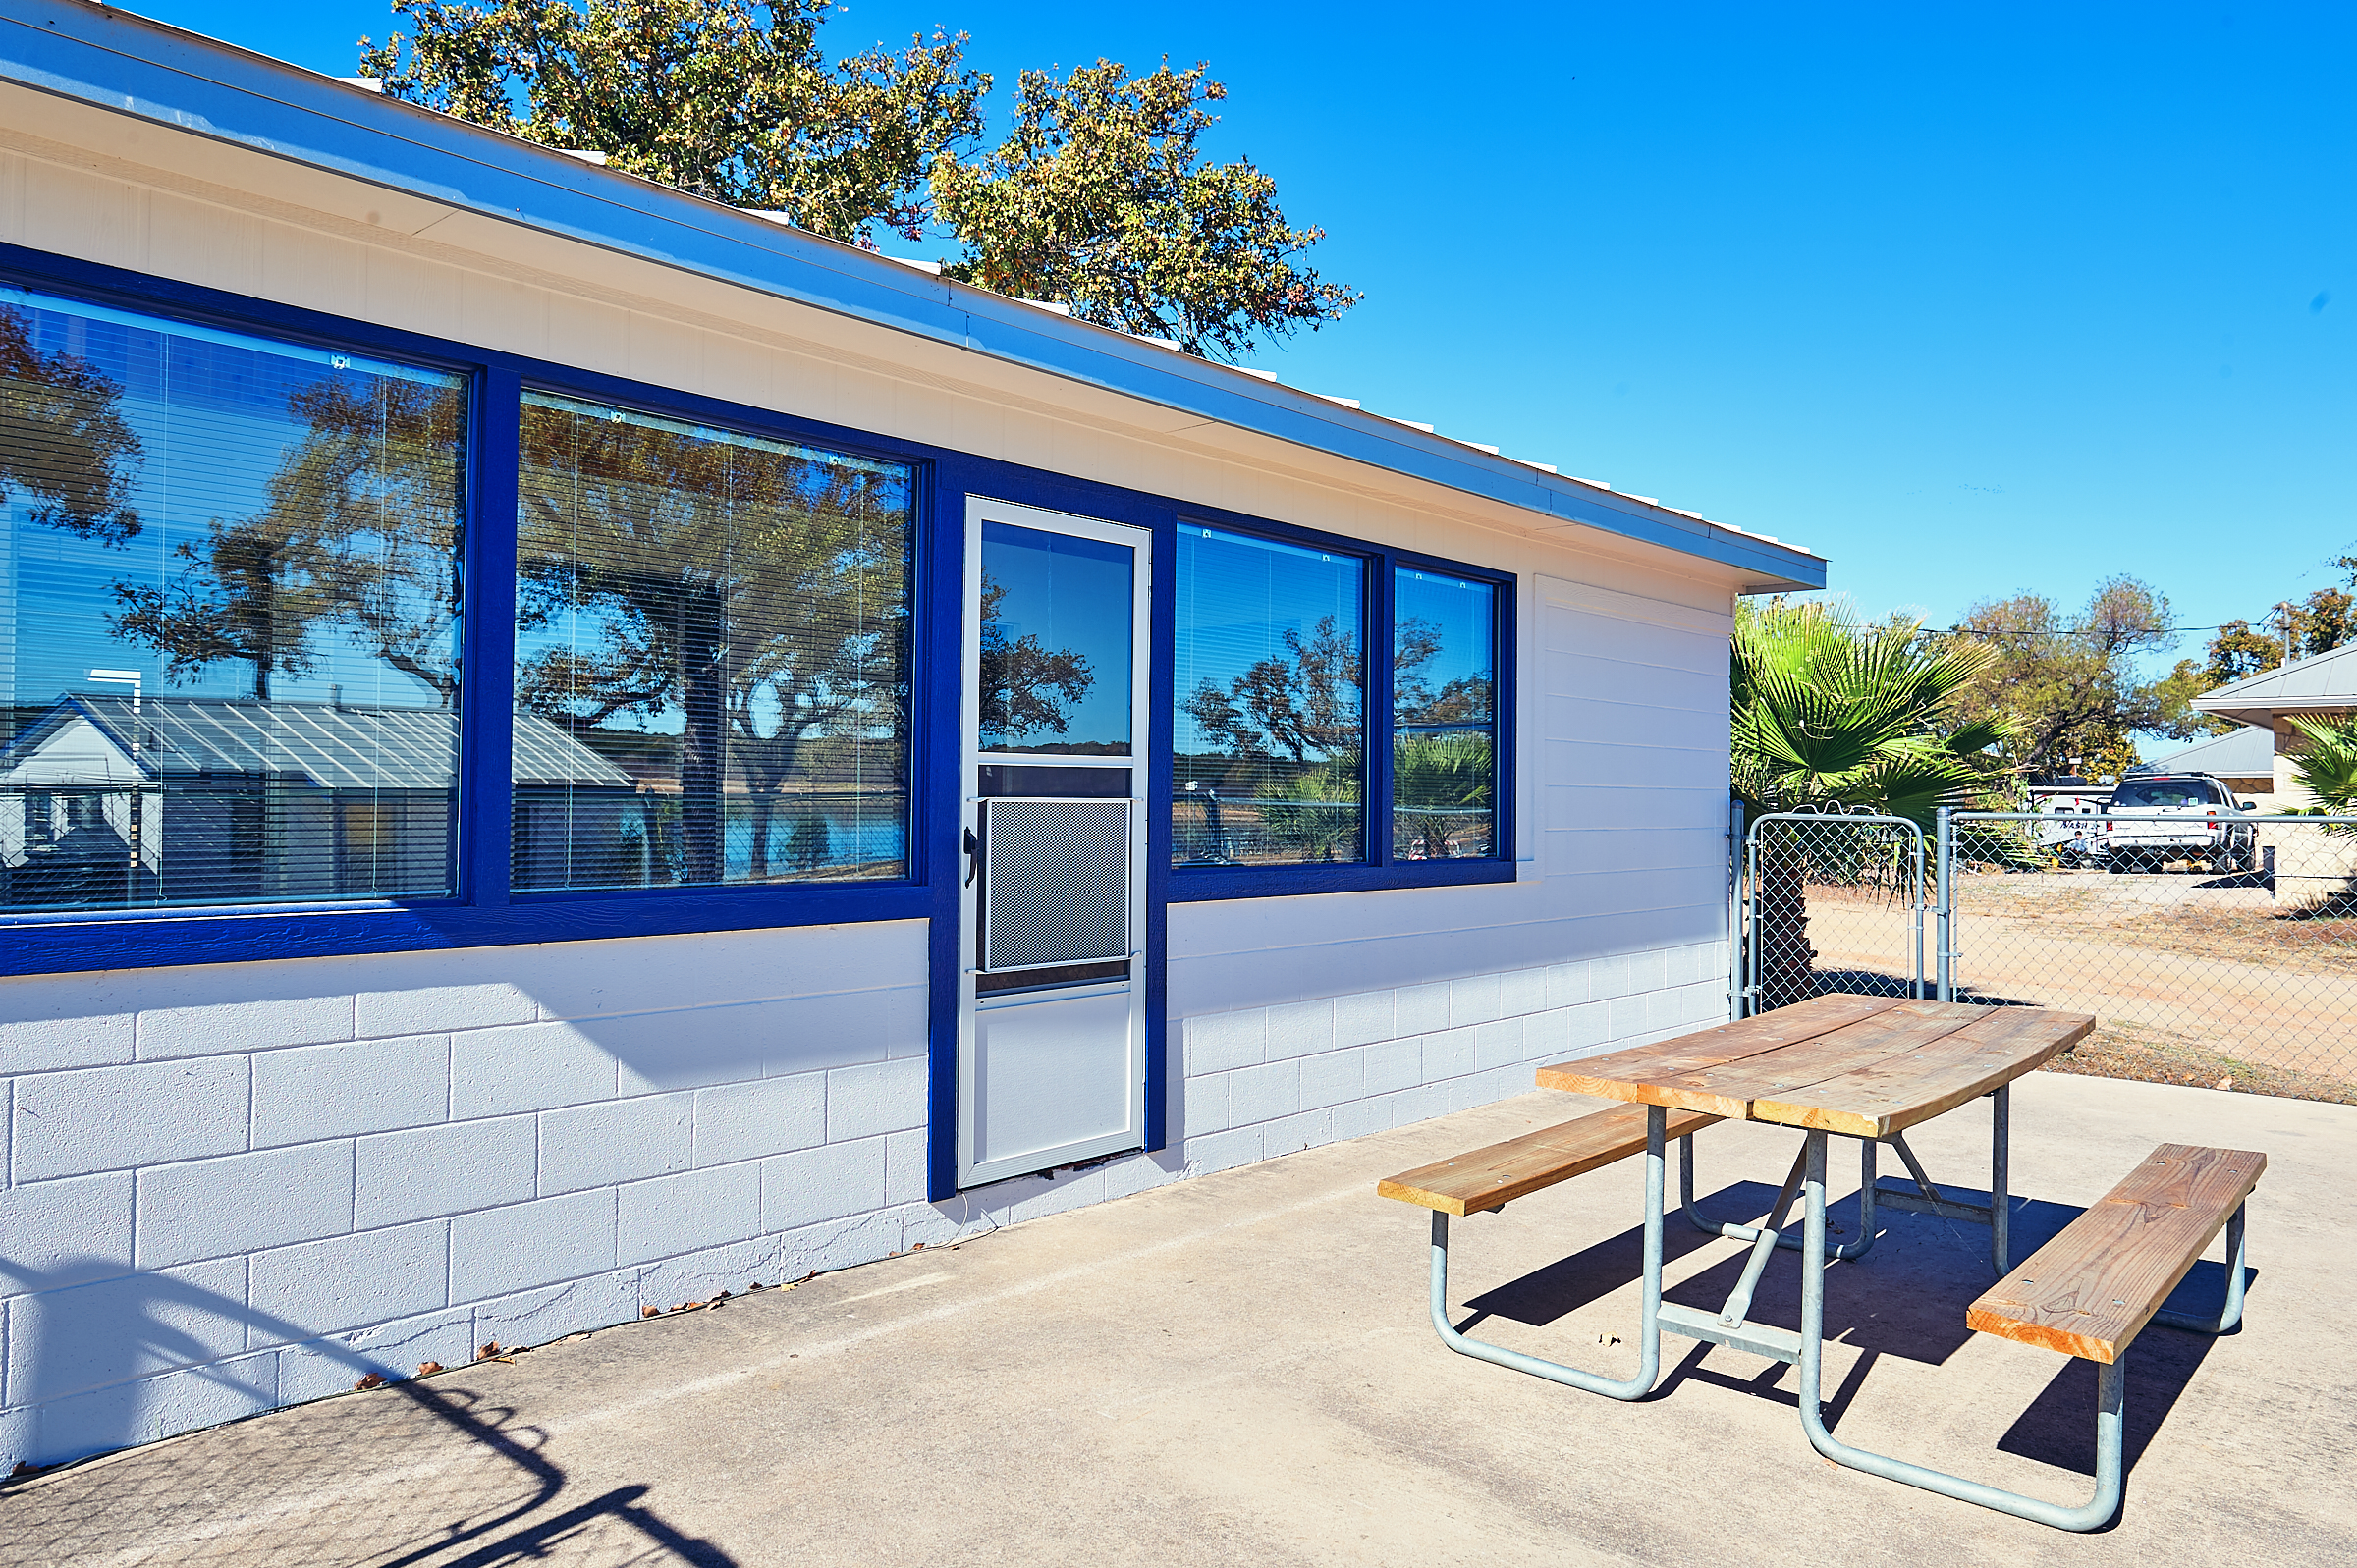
{"points": [[1863, 1067], [1869, 1068]]}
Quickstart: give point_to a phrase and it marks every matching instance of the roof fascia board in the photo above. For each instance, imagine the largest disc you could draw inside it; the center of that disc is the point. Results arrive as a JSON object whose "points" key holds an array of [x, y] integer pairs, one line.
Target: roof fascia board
{"points": [[145, 70]]}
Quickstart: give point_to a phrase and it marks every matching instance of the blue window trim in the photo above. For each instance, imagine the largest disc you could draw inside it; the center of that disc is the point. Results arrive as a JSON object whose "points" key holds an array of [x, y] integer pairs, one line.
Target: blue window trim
{"points": [[1379, 870], [484, 913]]}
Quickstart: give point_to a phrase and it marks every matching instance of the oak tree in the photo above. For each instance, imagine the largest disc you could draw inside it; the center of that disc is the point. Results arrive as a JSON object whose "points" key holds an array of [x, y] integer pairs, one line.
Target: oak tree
{"points": [[1100, 197]]}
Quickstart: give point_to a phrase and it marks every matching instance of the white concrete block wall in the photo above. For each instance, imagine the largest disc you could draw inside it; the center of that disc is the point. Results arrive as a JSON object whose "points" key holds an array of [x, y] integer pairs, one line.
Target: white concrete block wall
{"points": [[1268, 1081], [202, 1220], [238, 1186]]}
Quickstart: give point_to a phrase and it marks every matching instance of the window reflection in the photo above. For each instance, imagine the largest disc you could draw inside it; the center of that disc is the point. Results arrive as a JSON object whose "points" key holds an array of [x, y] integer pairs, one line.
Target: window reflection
{"points": [[711, 655], [1055, 643], [1444, 716], [229, 615], [1270, 728]]}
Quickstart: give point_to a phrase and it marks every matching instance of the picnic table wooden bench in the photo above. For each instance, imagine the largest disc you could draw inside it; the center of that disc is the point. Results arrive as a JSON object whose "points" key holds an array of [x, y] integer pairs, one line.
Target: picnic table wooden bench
{"points": [[2090, 1290], [1486, 1180]]}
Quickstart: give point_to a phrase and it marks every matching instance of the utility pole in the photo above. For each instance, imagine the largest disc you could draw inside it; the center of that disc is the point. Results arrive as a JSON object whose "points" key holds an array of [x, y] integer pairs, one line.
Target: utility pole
{"points": [[2284, 611]]}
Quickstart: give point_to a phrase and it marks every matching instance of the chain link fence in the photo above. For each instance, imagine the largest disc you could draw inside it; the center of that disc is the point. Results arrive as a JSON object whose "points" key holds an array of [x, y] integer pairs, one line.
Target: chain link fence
{"points": [[2220, 952]]}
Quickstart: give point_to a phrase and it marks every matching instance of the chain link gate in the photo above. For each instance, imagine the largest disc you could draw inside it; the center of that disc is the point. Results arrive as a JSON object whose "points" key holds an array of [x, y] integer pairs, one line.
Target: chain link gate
{"points": [[1829, 900]]}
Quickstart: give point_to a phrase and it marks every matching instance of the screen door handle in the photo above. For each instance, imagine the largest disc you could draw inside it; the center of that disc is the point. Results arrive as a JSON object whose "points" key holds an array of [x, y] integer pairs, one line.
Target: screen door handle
{"points": [[973, 856]]}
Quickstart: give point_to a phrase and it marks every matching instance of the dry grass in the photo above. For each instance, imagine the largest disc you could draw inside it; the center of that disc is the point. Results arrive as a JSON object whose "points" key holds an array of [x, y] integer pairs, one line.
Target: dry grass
{"points": [[2149, 1056], [2312, 931]]}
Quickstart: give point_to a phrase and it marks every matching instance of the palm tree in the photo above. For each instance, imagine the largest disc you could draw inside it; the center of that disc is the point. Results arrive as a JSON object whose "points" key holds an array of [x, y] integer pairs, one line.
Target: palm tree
{"points": [[1831, 711], [1437, 779], [2326, 766]]}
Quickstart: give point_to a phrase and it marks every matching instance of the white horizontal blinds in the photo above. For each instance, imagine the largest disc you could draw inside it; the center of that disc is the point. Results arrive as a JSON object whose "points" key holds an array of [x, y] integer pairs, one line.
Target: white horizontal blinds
{"points": [[711, 658], [1444, 716], [1270, 733], [228, 616]]}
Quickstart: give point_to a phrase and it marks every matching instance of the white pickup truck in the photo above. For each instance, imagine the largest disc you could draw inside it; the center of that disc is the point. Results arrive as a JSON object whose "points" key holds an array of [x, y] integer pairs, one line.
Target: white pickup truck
{"points": [[2156, 818]]}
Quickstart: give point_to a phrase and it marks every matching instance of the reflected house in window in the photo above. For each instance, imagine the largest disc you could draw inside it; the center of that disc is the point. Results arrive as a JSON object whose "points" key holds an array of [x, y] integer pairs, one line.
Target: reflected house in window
{"points": [[238, 799]]}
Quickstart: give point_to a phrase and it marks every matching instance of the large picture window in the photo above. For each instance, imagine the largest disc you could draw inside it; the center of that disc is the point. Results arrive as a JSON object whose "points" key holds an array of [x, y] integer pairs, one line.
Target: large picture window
{"points": [[711, 660], [228, 616], [1444, 716], [1269, 756]]}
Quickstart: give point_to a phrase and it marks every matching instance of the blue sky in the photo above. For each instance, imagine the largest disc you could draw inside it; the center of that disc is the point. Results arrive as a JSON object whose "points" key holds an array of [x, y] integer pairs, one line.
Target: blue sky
{"points": [[1972, 299]]}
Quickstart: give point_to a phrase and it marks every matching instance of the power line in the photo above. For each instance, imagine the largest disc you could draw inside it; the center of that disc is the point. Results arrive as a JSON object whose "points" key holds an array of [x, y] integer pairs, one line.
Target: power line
{"points": [[2066, 632]]}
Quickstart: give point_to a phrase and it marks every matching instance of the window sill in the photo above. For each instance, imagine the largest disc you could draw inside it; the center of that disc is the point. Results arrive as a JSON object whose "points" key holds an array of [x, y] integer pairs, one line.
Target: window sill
{"points": [[1207, 883], [139, 939]]}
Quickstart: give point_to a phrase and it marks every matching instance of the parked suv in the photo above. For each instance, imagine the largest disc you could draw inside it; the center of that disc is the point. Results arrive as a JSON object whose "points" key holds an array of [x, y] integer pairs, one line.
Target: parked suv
{"points": [[2154, 818]]}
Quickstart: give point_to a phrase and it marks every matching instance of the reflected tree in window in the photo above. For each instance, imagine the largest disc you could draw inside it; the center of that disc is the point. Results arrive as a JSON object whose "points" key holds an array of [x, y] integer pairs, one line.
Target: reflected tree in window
{"points": [[65, 448], [272, 525], [359, 533], [1443, 723], [1293, 720], [749, 593], [1026, 685]]}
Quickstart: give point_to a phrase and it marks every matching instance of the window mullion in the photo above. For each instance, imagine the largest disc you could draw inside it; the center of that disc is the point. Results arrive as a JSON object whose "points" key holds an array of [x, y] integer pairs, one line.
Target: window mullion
{"points": [[487, 689], [1377, 782]]}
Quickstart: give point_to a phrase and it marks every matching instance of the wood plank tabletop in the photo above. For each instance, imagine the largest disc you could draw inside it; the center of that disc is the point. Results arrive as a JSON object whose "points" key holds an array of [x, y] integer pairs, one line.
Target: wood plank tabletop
{"points": [[1864, 1065]]}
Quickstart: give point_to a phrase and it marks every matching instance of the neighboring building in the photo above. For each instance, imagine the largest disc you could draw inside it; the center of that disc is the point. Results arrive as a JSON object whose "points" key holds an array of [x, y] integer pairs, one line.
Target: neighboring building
{"points": [[2321, 687], [245, 801], [701, 754], [2244, 760]]}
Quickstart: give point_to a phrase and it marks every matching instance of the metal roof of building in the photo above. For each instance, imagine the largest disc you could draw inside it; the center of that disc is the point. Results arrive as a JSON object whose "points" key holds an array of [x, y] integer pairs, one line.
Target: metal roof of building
{"points": [[188, 84], [2324, 683], [327, 745], [2239, 754]]}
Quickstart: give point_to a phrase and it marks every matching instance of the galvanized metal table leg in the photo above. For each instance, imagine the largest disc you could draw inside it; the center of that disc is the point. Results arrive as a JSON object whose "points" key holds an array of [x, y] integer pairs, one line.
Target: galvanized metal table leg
{"points": [[2109, 1401], [2001, 1197], [1649, 1327], [2237, 1265], [1738, 1300], [1732, 1231]]}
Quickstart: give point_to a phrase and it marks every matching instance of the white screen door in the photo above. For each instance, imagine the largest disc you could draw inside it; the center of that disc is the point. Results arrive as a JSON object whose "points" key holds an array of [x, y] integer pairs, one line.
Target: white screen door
{"points": [[1051, 1022]]}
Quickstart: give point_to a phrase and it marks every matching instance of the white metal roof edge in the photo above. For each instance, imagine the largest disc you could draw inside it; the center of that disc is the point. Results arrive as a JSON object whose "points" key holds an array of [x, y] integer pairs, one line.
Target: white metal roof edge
{"points": [[2333, 674], [151, 71]]}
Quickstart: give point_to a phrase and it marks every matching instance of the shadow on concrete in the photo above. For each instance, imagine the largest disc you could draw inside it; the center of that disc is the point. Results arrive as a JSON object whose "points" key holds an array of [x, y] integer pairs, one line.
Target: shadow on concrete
{"points": [[1906, 1298], [2058, 1428], [305, 1485]]}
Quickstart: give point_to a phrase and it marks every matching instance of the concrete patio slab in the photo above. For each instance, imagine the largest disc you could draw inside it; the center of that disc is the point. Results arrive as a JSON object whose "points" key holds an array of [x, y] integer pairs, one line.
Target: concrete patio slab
{"points": [[1240, 1370]]}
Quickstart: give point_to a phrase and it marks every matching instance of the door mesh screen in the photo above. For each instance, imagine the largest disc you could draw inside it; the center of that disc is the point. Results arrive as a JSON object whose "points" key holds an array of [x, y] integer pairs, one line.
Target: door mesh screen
{"points": [[1055, 882]]}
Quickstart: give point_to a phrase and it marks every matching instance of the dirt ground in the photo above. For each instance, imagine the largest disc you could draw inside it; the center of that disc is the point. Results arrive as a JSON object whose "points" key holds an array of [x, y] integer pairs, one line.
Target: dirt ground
{"points": [[2196, 978]]}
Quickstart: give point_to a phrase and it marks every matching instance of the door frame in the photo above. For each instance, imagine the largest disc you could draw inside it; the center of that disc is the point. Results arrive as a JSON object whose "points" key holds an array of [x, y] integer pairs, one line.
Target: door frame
{"points": [[1146, 767]]}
